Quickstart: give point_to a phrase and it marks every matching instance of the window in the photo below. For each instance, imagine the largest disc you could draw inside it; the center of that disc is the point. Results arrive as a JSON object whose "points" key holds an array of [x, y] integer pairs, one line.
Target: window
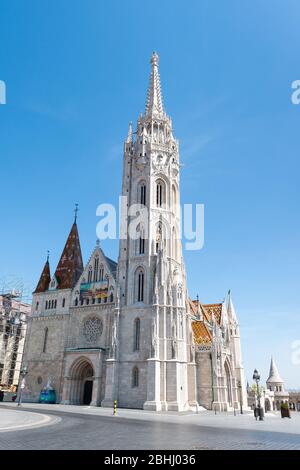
{"points": [[96, 267], [45, 339], [140, 285], [90, 273], [135, 377], [46, 305], [76, 302], [160, 193], [55, 303], [37, 306], [142, 245], [142, 194], [136, 334], [63, 303], [101, 274], [140, 250], [111, 297]]}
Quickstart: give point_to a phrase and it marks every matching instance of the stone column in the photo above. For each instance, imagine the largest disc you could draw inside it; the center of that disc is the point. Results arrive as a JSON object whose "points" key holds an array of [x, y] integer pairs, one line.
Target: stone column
{"points": [[97, 382], [111, 388], [153, 385], [177, 395]]}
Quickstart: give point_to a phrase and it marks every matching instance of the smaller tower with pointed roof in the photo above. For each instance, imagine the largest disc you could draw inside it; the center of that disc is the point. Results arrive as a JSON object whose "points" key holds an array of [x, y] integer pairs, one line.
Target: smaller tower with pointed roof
{"points": [[70, 265], [274, 382], [45, 278]]}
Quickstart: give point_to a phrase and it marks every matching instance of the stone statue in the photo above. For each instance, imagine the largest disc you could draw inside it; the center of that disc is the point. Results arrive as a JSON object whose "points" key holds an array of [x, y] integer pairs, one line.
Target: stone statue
{"points": [[193, 352], [114, 343]]}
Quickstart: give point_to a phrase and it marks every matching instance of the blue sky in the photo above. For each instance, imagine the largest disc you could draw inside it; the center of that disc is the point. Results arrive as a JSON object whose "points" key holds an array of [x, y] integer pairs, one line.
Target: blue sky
{"points": [[77, 72]]}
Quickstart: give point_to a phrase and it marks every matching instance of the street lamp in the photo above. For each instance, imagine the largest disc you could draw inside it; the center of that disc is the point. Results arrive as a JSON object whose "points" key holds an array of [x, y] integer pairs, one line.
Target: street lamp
{"points": [[256, 377], [23, 373], [240, 389]]}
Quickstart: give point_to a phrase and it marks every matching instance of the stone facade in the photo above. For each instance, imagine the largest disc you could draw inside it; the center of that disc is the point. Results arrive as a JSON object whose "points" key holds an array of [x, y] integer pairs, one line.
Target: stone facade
{"points": [[128, 331]]}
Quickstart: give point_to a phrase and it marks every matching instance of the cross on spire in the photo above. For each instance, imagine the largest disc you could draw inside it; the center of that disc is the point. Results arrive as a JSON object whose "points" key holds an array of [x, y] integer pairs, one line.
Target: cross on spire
{"points": [[76, 212]]}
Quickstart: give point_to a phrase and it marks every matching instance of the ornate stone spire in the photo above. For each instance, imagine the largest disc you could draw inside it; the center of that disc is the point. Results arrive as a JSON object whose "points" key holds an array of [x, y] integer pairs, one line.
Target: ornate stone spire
{"points": [[45, 278], [230, 308], [154, 104], [70, 265], [129, 135], [274, 376]]}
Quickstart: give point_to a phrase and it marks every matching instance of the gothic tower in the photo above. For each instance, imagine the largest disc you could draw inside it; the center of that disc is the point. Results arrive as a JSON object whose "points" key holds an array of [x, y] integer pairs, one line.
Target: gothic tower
{"points": [[148, 366]]}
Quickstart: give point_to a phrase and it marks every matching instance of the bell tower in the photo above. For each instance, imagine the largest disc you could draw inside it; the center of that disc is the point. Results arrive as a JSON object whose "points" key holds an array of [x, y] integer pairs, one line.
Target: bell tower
{"points": [[151, 324]]}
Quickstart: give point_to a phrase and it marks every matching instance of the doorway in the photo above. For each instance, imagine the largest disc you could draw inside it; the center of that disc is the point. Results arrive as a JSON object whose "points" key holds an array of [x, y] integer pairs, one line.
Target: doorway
{"points": [[81, 382], [87, 392]]}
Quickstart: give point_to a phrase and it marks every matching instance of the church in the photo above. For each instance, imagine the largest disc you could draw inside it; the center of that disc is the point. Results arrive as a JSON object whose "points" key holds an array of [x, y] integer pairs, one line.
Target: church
{"points": [[128, 331]]}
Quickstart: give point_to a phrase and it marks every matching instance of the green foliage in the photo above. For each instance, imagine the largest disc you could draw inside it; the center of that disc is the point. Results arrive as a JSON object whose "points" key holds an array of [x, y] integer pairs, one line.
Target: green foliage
{"points": [[254, 389]]}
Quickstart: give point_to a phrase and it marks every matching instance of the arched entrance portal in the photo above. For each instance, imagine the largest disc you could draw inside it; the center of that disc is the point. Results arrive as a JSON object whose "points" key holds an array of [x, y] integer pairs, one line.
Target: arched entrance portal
{"points": [[81, 375]]}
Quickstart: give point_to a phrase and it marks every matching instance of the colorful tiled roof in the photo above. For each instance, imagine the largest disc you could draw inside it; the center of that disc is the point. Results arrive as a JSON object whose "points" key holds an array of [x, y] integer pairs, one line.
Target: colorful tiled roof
{"points": [[45, 279], [202, 335], [210, 309], [70, 266]]}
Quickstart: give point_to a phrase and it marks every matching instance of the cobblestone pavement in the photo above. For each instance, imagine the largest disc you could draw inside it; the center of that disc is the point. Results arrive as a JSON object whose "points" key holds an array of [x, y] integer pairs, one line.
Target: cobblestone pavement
{"points": [[14, 419], [82, 431]]}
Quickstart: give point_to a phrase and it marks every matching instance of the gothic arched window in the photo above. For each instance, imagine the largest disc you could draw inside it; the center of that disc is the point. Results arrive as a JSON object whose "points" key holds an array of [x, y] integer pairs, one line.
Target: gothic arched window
{"points": [[142, 193], [90, 274], [136, 334], [139, 283], [140, 241], [45, 339], [135, 377], [160, 193], [101, 274], [96, 267]]}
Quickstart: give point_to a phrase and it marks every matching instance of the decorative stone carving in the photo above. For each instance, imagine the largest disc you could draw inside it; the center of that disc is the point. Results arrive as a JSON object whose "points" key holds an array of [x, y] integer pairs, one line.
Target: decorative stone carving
{"points": [[92, 329]]}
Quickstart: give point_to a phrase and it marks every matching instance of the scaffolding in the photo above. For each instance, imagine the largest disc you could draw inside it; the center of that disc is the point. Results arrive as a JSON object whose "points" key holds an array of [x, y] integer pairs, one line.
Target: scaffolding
{"points": [[15, 298]]}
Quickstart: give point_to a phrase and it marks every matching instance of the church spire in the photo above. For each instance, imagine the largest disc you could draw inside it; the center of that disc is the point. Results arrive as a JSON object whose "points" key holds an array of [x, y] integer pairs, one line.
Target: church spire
{"points": [[154, 104], [274, 374], [230, 308], [45, 278], [70, 266], [129, 135]]}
